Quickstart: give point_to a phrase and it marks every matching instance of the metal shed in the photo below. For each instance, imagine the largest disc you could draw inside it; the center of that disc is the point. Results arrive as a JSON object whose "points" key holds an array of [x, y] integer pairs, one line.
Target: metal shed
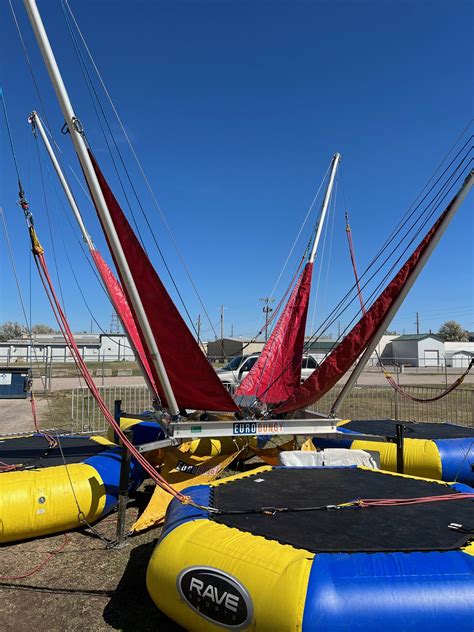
{"points": [[421, 350]]}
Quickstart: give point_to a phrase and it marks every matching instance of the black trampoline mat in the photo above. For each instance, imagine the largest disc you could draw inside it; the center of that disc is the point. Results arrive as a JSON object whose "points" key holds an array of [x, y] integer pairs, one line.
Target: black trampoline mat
{"points": [[34, 451], [412, 429], [422, 527]]}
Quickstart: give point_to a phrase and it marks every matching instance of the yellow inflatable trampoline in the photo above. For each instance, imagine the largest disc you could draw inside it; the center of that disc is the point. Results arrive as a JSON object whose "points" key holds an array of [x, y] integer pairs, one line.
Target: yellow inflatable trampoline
{"points": [[318, 549], [50, 485], [436, 450]]}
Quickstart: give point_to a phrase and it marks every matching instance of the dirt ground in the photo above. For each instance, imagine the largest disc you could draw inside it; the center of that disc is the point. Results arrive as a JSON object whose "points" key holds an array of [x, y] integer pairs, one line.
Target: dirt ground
{"points": [[84, 587], [16, 416]]}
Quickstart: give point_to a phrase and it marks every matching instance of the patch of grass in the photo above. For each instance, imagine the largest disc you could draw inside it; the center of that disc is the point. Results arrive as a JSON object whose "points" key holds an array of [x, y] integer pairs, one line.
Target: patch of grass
{"points": [[58, 413], [367, 402], [68, 369]]}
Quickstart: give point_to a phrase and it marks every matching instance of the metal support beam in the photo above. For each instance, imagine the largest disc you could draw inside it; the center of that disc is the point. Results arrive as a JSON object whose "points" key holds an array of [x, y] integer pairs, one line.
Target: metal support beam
{"points": [[123, 483], [179, 431], [251, 427], [335, 162], [400, 445], [117, 415], [78, 138], [390, 315]]}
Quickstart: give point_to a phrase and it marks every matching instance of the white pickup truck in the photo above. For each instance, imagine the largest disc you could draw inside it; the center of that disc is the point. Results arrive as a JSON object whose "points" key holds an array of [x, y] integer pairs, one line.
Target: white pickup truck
{"points": [[237, 369]]}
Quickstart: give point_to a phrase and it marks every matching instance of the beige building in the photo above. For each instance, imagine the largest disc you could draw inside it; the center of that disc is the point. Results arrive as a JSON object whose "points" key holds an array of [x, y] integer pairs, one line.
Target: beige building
{"points": [[231, 347]]}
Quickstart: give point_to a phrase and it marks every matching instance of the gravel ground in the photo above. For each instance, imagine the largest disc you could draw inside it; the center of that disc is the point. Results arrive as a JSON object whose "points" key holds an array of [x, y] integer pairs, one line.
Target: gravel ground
{"points": [[16, 416]]}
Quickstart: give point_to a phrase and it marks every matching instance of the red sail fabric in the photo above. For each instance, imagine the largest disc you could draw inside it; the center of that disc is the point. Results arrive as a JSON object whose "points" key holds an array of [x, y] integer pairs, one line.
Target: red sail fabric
{"points": [[122, 308], [348, 350], [194, 381], [277, 373]]}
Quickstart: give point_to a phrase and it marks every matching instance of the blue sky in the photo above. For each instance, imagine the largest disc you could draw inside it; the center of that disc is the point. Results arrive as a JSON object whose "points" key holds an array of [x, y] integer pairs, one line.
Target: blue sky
{"points": [[235, 109]]}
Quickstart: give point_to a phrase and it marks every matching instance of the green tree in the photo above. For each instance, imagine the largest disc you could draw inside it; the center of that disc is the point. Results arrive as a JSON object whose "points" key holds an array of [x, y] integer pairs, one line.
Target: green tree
{"points": [[452, 331], [11, 329], [43, 329]]}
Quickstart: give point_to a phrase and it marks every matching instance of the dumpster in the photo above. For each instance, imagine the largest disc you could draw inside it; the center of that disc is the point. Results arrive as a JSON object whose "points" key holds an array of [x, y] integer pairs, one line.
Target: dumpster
{"points": [[15, 382]]}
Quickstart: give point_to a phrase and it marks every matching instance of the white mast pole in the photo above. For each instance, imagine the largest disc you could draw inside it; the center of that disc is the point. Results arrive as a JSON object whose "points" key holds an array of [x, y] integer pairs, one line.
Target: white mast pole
{"points": [[452, 208], [335, 162], [35, 120], [77, 137]]}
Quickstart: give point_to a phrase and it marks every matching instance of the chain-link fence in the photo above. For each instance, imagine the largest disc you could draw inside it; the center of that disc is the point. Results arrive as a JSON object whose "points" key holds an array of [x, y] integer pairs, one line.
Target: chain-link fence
{"points": [[86, 415], [381, 402], [365, 402]]}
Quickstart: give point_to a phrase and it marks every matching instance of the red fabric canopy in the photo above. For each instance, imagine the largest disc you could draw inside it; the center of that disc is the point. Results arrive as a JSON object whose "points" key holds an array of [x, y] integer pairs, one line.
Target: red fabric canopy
{"points": [[277, 373], [348, 350], [122, 308], [194, 381]]}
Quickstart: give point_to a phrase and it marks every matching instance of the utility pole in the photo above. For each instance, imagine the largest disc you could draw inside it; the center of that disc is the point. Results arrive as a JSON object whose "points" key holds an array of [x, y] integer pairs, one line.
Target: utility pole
{"points": [[222, 322], [417, 323], [198, 327], [232, 330], [267, 310]]}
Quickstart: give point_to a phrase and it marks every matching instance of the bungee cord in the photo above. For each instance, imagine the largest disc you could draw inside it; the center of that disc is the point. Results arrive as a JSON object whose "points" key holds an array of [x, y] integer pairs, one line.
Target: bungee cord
{"points": [[80, 243], [386, 372], [346, 301], [53, 248], [103, 119], [334, 315], [65, 330], [96, 102], [357, 503], [303, 224], [431, 208], [12, 260], [65, 6]]}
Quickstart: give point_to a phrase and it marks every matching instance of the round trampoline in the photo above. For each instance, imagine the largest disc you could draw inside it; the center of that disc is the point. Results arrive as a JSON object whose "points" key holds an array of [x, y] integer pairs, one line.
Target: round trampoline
{"points": [[435, 450], [293, 549], [49, 487]]}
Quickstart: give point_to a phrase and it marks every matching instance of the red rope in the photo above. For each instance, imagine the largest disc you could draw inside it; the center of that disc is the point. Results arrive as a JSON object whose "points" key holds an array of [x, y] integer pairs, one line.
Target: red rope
{"points": [[392, 502], [40, 566], [69, 337], [451, 388], [5, 467], [389, 377], [49, 438]]}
